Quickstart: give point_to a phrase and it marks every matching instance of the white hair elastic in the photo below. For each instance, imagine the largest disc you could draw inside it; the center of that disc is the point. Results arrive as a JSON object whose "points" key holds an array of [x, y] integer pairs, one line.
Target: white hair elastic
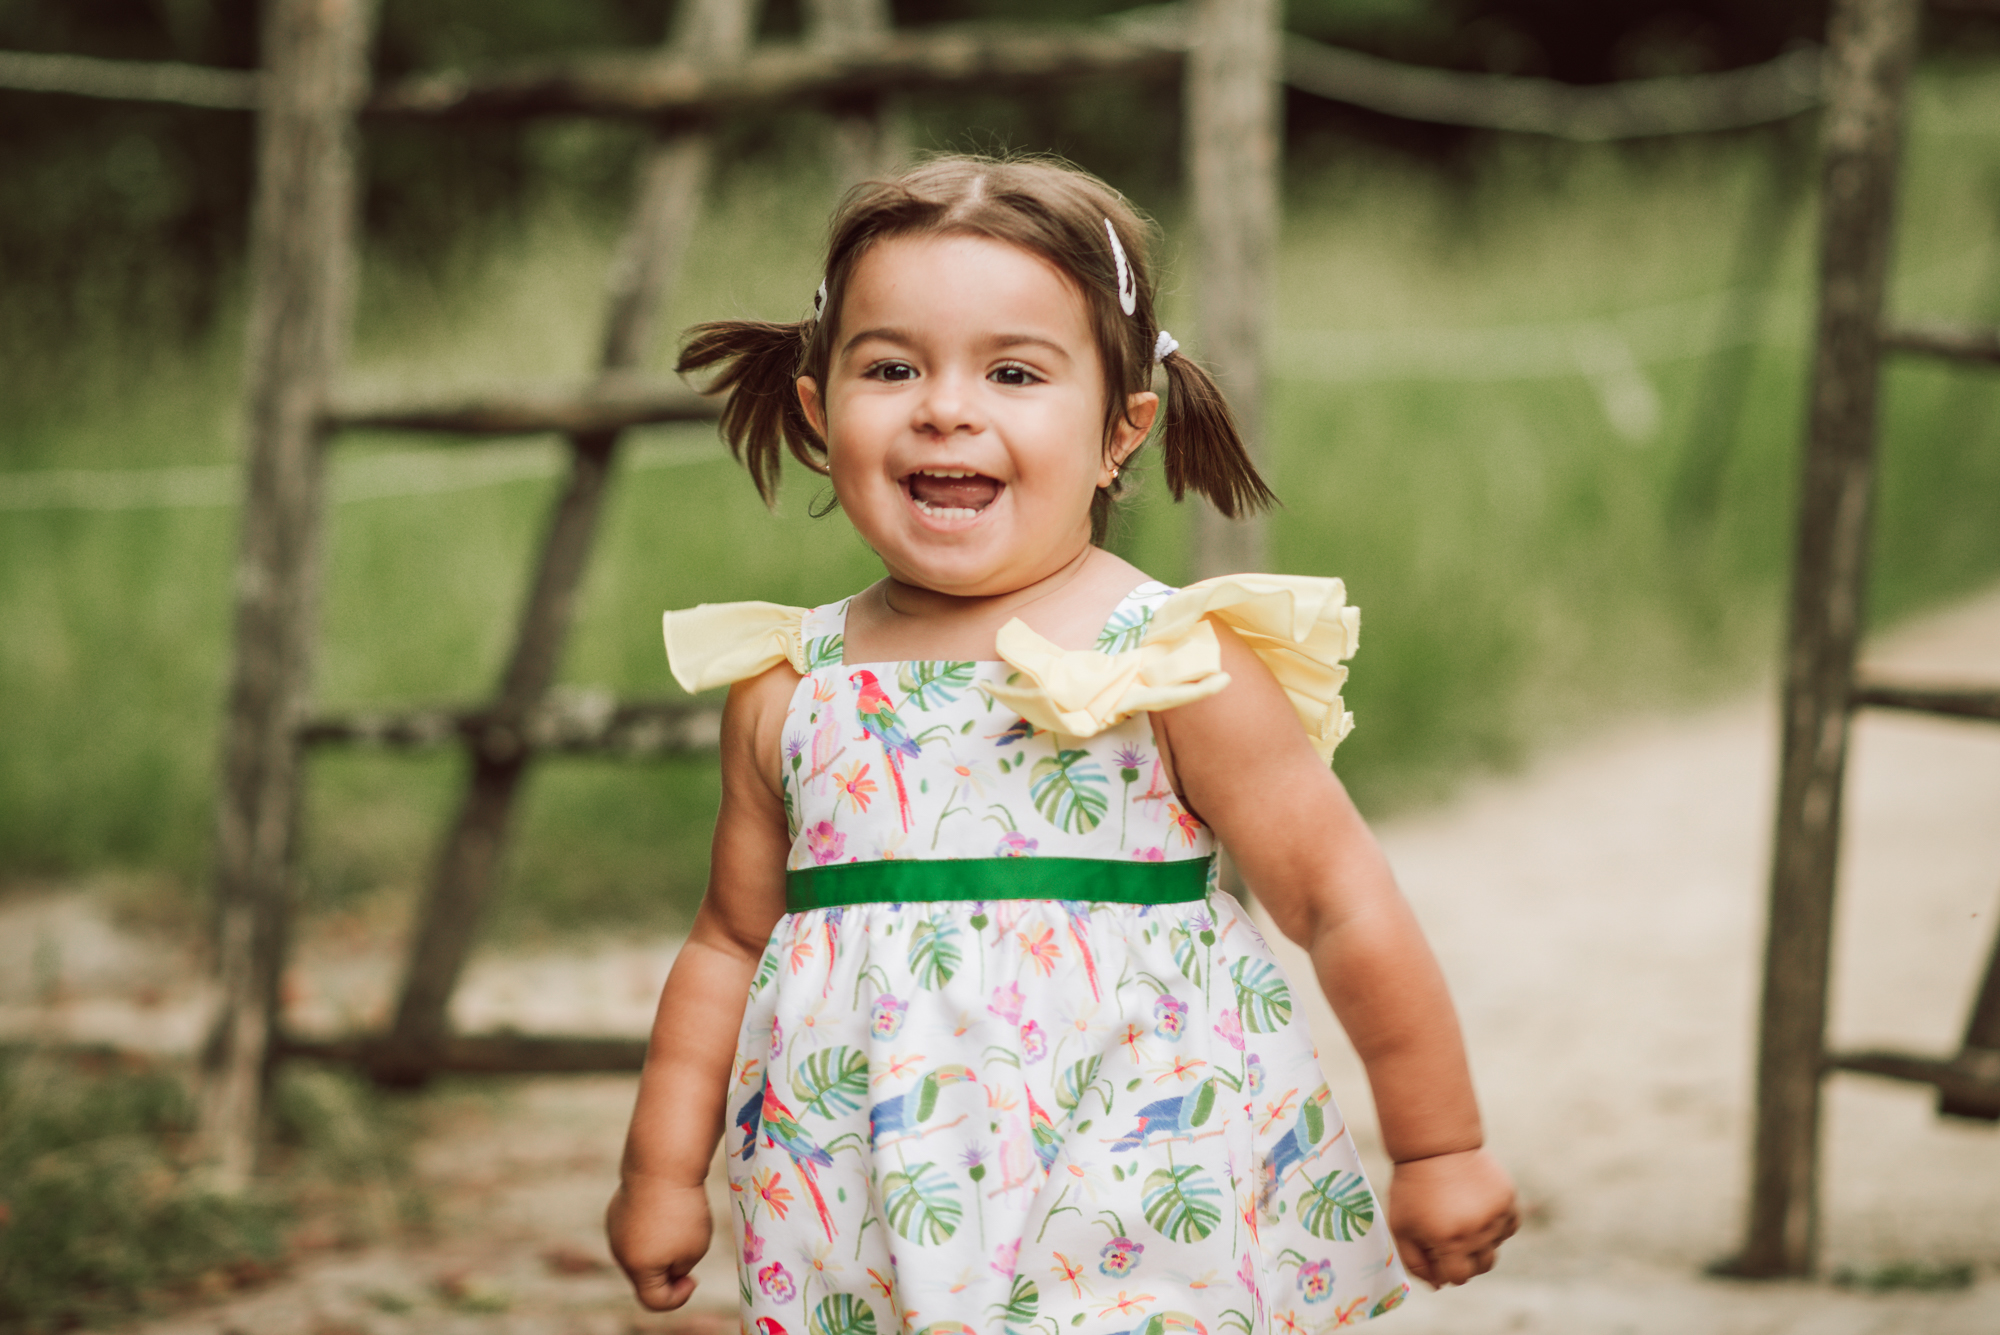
{"points": [[1128, 286], [819, 300], [1164, 346]]}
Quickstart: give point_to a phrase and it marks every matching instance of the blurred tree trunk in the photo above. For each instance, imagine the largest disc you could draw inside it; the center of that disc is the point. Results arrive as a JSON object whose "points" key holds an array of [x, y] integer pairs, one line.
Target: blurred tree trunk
{"points": [[869, 136], [1233, 72], [300, 266]]}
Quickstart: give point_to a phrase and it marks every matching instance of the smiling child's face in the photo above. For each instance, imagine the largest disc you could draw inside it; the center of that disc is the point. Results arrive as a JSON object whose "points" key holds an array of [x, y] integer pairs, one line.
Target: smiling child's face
{"points": [[963, 413]]}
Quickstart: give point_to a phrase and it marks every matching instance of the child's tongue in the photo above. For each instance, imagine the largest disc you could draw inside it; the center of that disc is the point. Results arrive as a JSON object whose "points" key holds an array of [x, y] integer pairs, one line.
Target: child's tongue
{"points": [[954, 493]]}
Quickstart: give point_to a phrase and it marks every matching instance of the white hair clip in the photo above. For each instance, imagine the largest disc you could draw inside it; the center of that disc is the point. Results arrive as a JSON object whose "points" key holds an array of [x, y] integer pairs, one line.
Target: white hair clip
{"points": [[1128, 286], [1164, 346], [819, 300]]}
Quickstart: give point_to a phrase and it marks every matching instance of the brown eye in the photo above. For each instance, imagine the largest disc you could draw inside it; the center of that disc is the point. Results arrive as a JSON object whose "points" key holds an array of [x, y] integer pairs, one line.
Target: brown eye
{"points": [[892, 371], [1013, 375]]}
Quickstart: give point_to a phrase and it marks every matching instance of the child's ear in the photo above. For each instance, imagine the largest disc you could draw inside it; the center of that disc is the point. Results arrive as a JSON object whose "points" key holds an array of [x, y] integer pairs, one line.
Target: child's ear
{"points": [[1129, 432], [814, 406]]}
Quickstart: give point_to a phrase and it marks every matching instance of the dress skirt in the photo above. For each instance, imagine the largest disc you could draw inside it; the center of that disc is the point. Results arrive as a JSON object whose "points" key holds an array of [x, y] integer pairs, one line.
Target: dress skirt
{"points": [[1041, 1115]]}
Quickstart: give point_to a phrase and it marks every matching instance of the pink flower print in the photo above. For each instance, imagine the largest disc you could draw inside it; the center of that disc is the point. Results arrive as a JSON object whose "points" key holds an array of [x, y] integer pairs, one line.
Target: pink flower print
{"points": [[1246, 1275], [887, 1016], [1230, 1027], [1034, 1045], [753, 1246], [1121, 1257], [1253, 1073], [1316, 1281], [777, 1040], [1005, 1258], [1182, 824], [1170, 1017], [1149, 855], [775, 1280], [1007, 1002], [825, 843], [1014, 844]]}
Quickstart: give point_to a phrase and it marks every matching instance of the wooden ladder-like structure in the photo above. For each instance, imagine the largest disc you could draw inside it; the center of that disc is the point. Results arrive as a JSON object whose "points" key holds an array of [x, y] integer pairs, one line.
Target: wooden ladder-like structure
{"points": [[1872, 45], [314, 90]]}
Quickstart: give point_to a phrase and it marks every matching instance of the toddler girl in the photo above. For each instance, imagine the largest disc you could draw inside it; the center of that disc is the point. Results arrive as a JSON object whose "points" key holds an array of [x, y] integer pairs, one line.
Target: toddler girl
{"points": [[990, 1050]]}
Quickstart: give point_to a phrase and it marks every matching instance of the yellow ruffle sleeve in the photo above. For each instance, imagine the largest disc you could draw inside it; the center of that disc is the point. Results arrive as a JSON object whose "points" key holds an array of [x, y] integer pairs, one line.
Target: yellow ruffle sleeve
{"points": [[719, 643], [1299, 626]]}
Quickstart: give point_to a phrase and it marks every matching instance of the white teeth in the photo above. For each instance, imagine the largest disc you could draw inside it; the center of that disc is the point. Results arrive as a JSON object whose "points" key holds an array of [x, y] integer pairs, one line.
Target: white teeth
{"points": [[945, 511], [946, 472]]}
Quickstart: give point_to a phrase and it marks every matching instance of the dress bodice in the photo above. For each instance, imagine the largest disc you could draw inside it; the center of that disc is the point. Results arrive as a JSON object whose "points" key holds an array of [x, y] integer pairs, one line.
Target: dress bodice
{"points": [[923, 760]]}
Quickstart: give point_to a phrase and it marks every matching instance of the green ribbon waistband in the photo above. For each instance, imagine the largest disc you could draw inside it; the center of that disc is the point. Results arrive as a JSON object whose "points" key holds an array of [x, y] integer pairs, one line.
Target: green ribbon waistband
{"points": [[918, 881]]}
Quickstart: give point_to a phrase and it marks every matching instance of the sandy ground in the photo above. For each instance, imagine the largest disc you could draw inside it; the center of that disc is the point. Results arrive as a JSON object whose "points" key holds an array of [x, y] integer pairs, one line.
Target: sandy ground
{"points": [[1600, 917]]}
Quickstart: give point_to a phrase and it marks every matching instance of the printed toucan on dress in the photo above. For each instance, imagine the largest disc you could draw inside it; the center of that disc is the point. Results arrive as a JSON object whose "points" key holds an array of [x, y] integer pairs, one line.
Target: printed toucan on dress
{"points": [[1011, 1062]]}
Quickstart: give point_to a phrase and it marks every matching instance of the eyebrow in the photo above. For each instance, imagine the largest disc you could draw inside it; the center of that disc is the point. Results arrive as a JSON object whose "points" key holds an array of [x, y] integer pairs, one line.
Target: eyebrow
{"points": [[905, 339]]}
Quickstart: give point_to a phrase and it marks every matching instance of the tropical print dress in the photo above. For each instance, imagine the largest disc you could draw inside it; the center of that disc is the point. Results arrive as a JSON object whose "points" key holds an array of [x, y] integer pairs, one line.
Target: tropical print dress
{"points": [[1012, 1063]]}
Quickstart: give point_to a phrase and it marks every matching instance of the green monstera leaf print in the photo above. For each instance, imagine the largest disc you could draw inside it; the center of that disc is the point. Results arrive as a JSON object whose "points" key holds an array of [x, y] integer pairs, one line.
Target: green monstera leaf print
{"points": [[934, 952], [842, 1314], [826, 651], [928, 685], [767, 969], [1070, 791], [1338, 1207], [1075, 1082], [1125, 629], [922, 1203], [832, 1081], [1182, 1203], [1023, 1301], [1262, 995], [1188, 954]]}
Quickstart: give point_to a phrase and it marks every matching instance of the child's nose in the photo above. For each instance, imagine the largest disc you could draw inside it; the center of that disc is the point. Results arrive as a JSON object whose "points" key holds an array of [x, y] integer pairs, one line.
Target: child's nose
{"points": [[949, 406]]}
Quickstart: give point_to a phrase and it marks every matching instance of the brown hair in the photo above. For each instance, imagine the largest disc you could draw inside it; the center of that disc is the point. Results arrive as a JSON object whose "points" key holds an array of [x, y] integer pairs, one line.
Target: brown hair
{"points": [[1048, 209]]}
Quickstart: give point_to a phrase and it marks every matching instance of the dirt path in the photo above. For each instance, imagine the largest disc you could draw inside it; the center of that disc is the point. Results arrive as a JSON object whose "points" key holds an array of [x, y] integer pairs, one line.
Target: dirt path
{"points": [[1600, 918]]}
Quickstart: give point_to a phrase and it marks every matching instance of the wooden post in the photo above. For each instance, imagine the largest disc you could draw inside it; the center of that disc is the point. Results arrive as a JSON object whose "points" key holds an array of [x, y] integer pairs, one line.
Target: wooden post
{"points": [[300, 265], [663, 217], [867, 135], [1870, 48], [1231, 105], [1979, 1053]]}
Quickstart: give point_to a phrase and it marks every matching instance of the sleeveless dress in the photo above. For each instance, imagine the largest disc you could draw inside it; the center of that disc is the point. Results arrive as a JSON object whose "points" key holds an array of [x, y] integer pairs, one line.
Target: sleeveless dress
{"points": [[1011, 1061]]}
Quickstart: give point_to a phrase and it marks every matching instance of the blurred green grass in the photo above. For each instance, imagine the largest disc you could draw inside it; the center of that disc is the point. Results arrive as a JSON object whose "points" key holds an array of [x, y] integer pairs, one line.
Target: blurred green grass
{"points": [[1522, 567]]}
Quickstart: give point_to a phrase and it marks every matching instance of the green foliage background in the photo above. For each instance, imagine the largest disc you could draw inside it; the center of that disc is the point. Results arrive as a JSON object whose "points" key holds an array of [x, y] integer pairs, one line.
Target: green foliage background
{"points": [[1524, 568]]}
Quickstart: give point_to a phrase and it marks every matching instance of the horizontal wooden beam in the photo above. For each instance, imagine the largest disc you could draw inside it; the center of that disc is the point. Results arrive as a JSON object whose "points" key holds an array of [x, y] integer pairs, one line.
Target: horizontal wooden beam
{"points": [[1981, 703], [131, 80], [655, 87], [1965, 343], [481, 1054], [1735, 99], [1968, 1085], [515, 410], [1146, 43], [583, 724]]}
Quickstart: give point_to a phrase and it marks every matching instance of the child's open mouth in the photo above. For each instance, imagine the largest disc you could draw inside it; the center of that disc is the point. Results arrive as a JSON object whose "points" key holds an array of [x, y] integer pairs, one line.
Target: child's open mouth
{"points": [[951, 493]]}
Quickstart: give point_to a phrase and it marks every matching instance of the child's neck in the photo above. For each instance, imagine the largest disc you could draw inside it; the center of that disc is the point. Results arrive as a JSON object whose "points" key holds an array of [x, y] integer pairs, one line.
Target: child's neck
{"points": [[892, 620]]}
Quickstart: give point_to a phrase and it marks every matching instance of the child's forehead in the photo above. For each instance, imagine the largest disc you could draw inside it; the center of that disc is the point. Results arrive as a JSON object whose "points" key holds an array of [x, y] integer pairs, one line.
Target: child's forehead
{"points": [[964, 278]]}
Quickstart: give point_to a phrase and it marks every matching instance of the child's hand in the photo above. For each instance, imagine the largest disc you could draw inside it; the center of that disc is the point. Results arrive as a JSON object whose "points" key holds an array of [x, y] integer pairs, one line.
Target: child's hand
{"points": [[1449, 1214], [658, 1230]]}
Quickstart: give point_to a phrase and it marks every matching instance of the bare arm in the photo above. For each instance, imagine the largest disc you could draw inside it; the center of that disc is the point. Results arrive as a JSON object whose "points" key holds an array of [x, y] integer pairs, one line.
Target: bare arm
{"points": [[1244, 763], [658, 1221]]}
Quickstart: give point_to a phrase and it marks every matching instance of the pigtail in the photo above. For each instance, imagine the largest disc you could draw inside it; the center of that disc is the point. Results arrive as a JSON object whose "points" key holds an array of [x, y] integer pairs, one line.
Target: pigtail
{"points": [[1200, 445], [760, 364]]}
